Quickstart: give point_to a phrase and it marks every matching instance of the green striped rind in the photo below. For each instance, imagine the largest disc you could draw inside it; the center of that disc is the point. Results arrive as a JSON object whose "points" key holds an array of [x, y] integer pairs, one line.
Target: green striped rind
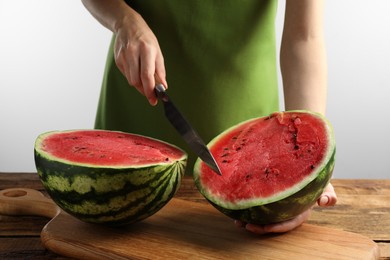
{"points": [[282, 206], [110, 195]]}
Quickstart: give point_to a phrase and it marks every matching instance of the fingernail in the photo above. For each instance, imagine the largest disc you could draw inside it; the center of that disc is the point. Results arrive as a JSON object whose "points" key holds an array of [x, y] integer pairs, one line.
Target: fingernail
{"points": [[324, 200]]}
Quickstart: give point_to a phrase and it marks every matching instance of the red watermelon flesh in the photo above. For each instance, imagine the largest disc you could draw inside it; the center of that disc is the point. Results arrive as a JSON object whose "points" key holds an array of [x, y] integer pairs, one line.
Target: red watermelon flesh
{"points": [[109, 148], [265, 156]]}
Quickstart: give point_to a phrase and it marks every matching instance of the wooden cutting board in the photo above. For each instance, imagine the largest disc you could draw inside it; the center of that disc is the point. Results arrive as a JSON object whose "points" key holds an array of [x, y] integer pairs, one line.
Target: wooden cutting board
{"points": [[181, 230]]}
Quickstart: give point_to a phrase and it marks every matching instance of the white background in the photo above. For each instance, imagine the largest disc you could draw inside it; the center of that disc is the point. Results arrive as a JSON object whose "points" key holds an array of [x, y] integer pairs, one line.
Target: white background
{"points": [[52, 57]]}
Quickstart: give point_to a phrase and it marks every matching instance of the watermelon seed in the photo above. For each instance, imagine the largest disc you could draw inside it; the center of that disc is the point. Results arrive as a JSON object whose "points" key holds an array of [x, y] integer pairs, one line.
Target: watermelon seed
{"points": [[296, 147], [224, 155], [71, 138], [266, 172], [79, 149], [312, 167], [167, 159], [225, 161]]}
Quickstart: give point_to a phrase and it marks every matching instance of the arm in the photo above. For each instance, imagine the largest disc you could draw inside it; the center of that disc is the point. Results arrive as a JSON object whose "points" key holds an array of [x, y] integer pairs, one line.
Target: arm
{"points": [[303, 57], [304, 73], [303, 64], [136, 50]]}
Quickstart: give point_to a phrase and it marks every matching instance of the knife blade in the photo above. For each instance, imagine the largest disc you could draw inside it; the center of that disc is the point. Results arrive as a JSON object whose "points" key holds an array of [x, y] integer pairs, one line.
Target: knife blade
{"points": [[184, 128]]}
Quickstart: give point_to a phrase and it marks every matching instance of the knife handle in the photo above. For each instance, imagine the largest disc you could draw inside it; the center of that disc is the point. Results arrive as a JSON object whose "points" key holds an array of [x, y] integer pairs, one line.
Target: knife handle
{"points": [[160, 92]]}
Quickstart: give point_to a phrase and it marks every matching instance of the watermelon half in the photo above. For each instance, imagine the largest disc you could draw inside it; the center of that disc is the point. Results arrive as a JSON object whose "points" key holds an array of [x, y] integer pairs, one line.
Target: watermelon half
{"points": [[106, 176], [273, 168]]}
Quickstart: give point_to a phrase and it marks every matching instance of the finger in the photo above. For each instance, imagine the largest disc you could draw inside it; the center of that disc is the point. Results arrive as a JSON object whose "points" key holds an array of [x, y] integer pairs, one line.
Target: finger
{"points": [[239, 223], [133, 71], [257, 229], [160, 73], [129, 66], [289, 224], [328, 197], [124, 68], [147, 78], [281, 227]]}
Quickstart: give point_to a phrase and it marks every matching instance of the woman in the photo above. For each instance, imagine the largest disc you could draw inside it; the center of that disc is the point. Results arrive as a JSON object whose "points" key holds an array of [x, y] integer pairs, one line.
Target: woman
{"points": [[220, 57]]}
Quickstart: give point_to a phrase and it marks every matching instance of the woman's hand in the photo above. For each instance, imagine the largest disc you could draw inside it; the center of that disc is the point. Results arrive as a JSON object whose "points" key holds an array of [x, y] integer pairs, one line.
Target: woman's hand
{"points": [[138, 56], [327, 198], [137, 52]]}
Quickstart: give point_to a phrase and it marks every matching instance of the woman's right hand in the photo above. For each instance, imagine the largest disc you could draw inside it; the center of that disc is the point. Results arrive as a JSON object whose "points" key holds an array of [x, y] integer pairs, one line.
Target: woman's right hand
{"points": [[138, 55], [137, 52]]}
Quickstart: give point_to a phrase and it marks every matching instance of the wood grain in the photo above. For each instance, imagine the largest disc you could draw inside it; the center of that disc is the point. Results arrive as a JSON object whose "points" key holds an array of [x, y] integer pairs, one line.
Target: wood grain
{"points": [[184, 229], [22, 179], [22, 248], [363, 207], [350, 193]]}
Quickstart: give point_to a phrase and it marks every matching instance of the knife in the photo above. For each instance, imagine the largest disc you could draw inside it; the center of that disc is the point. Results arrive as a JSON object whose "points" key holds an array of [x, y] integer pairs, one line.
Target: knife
{"points": [[185, 129]]}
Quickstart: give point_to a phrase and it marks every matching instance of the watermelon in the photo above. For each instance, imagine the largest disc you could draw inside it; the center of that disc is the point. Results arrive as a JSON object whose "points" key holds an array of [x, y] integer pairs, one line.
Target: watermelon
{"points": [[273, 168], [108, 177]]}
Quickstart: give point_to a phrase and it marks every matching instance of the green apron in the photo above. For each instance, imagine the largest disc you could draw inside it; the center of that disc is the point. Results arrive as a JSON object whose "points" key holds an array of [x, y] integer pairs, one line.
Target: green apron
{"points": [[220, 59]]}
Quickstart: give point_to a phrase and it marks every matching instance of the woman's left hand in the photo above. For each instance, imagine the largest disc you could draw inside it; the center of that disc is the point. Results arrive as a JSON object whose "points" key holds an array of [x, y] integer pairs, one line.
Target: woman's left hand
{"points": [[327, 198]]}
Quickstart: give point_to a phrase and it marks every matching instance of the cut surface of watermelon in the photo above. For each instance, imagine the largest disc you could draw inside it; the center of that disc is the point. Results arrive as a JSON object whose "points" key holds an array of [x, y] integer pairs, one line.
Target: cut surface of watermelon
{"points": [[266, 159], [107, 148]]}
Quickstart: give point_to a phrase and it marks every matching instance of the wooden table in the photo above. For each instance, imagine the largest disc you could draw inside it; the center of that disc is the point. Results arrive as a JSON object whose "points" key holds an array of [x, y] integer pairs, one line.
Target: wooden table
{"points": [[363, 207]]}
